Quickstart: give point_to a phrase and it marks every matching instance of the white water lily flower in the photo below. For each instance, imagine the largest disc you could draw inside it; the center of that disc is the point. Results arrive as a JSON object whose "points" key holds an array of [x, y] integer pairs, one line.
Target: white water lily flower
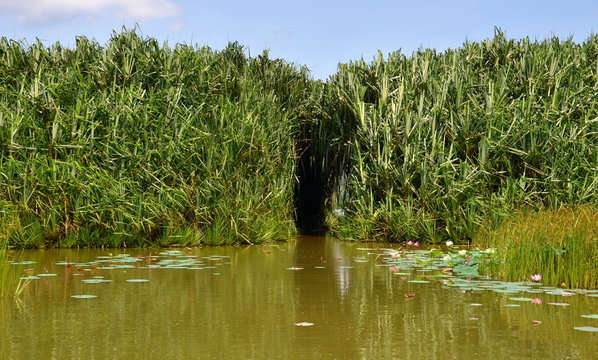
{"points": [[449, 243], [446, 257], [462, 252], [490, 251]]}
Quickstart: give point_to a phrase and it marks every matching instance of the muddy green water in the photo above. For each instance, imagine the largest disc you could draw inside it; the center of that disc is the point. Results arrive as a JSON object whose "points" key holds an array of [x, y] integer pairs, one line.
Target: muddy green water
{"points": [[244, 302]]}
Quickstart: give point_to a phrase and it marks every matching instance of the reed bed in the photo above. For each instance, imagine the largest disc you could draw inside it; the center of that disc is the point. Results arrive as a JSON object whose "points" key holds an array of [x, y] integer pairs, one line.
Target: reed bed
{"points": [[436, 144], [137, 143], [561, 246]]}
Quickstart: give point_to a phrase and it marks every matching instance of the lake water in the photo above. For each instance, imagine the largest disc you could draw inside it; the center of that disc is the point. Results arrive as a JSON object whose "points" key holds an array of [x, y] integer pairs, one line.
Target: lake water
{"points": [[245, 303]]}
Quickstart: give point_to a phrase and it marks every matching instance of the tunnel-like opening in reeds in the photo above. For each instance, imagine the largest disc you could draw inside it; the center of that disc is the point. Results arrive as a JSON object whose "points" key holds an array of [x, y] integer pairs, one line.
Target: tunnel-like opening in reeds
{"points": [[310, 192]]}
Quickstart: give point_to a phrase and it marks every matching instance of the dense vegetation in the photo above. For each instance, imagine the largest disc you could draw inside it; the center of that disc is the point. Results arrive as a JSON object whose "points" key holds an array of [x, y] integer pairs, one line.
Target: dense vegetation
{"points": [[560, 245], [438, 144], [138, 143]]}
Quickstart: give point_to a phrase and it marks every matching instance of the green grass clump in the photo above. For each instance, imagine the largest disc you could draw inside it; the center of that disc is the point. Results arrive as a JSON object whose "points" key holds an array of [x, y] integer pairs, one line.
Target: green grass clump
{"points": [[135, 143], [562, 246], [430, 146]]}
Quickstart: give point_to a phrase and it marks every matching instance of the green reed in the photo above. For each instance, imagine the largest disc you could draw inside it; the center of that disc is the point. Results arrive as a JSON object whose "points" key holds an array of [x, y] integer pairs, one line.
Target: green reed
{"points": [[439, 143], [562, 246], [138, 143]]}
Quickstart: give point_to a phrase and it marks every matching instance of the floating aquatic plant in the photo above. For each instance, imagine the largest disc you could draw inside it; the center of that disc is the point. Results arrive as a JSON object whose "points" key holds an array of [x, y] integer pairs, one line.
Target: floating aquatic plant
{"points": [[536, 277]]}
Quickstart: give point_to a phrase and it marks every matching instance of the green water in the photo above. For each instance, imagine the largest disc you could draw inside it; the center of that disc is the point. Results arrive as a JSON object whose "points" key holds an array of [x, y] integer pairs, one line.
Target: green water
{"points": [[244, 302]]}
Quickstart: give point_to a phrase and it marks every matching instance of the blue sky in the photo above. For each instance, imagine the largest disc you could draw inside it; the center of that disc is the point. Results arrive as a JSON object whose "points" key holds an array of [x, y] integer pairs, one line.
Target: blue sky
{"points": [[317, 34]]}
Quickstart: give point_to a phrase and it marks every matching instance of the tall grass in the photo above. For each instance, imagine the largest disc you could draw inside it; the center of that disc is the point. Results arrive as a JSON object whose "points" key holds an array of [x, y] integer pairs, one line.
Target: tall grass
{"points": [[137, 143], [438, 143], [562, 246]]}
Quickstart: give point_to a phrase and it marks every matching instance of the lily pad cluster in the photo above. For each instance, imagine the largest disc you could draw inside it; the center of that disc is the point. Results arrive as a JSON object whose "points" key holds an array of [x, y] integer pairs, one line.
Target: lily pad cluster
{"points": [[171, 259], [459, 268]]}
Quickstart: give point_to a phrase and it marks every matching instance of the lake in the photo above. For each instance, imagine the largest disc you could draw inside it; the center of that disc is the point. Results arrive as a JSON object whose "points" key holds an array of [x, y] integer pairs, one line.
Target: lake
{"points": [[310, 298]]}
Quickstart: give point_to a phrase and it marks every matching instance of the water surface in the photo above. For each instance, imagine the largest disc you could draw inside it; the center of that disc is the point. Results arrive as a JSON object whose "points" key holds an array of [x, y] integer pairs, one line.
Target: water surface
{"points": [[244, 302]]}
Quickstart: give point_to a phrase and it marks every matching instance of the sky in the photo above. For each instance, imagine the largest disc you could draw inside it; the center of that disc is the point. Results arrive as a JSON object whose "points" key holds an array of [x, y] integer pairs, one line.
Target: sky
{"points": [[318, 34]]}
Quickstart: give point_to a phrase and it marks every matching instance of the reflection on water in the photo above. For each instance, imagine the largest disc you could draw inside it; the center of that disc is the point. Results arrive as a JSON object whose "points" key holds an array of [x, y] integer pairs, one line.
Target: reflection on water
{"points": [[244, 306]]}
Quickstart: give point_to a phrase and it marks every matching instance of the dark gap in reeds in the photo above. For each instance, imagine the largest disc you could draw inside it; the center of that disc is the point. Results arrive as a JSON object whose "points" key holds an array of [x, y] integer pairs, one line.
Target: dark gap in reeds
{"points": [[310, 192]]}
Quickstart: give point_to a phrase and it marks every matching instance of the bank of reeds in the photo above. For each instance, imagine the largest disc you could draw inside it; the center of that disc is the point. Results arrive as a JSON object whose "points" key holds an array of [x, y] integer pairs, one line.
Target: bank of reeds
{"points": [[139, 143], [134, 143], [438, 143], [561, 246]]}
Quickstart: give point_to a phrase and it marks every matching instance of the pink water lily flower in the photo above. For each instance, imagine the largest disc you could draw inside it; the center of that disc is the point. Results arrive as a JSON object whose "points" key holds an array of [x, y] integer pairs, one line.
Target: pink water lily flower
{"points": [[409, 242], [536, 277], [416, 243]]}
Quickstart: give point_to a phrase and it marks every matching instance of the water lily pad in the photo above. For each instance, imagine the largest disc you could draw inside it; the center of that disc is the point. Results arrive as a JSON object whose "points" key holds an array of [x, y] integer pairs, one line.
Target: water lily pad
{"points": [[512, 305], [137, 280], [47, 275], [419, 281], [558, 304], [505, 291], [523, 299], [29, 278], [83, 296], [96, 281], [591, 316], [345, 267], [559, 293], [586, 328]]}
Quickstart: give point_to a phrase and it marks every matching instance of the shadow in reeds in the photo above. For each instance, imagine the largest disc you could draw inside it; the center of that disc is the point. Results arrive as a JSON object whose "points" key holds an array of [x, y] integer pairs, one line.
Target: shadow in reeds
{"points": [[310, 195]]}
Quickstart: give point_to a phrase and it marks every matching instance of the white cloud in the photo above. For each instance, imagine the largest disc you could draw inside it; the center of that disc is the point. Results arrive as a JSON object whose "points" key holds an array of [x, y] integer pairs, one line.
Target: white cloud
{"points": [[176, 26], [282, 35], [40, 11]]}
